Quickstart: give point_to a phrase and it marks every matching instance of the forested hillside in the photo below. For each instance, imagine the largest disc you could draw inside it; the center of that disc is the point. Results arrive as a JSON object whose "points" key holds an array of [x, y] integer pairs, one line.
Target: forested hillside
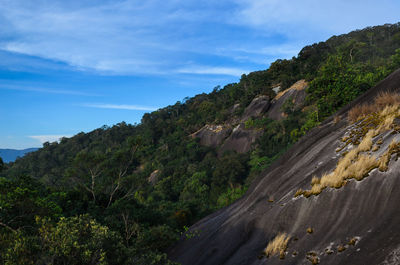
{"points": [[124, 194]]}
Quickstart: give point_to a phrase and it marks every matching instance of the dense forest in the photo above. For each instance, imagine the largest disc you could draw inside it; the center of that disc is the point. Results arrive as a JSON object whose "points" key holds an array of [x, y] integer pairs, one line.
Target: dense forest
{"points": [[124, 194]]}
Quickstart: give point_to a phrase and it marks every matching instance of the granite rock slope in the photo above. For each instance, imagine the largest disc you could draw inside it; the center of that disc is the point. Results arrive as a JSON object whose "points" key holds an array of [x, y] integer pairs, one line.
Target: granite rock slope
{"points": [[356, 222]]}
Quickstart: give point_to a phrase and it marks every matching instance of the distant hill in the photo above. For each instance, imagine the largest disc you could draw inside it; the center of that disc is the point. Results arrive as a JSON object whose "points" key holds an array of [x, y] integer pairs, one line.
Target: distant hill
{"points": [[10, 155]]}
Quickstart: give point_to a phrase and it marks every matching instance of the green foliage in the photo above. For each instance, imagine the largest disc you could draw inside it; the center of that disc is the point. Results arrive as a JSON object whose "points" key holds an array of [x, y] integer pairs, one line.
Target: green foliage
{"points": [[230, 170], [259, 123], [189, 234], [21, 200], [258, 163], [231, 195], [339, 82], [196, 188], [79, 240], [19, 248], [395, 61], [103, 175]]}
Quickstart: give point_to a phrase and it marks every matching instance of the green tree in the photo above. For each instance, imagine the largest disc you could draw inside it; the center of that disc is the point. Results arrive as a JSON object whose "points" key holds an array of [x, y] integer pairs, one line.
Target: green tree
{"points": [[87, 169], [79, 240], [196, 188]]}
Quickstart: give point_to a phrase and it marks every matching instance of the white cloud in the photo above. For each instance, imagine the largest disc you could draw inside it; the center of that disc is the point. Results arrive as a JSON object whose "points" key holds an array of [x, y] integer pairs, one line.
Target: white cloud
{"points": [[45, 90], [205, 70], [331, 17], [120, 106], [48, 138], [125, 37], [158, 37]]}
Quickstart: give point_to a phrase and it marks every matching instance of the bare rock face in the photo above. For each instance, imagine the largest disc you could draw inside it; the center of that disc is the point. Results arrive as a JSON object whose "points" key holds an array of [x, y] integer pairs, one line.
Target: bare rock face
{"points": [[256, 108], [153, 178], [356, 222], [212, 135], [276, 89], [241, 139], [234, 108], [296, 93]]}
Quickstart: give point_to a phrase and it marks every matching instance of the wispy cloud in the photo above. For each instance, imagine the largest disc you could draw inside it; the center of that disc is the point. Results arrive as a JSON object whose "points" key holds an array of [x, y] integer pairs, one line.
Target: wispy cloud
{"points": [[332, 17], [205, 70], [156, 36], [46, 90], [119, 106], [48, 138], [126, 37]]}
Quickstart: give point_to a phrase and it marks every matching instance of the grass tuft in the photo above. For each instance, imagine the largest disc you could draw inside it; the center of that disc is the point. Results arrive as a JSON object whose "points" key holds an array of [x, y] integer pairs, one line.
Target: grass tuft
{"points": [[278, 245], [386, 98], [352, 242], [341, 248], [356, 164], [360, 111], [383, 100]]}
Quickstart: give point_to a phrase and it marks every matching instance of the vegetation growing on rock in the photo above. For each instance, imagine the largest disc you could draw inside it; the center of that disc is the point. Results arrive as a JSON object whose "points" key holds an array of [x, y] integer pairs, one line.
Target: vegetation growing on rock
{"points": [[99, 181], [377, 119]]}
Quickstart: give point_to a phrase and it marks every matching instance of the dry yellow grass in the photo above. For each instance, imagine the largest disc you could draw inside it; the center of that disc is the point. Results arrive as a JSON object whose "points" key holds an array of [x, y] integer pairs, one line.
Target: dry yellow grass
{"points": [[353, 241], [341, 248], [315, 180], [394, 147], [278, 245], [360, 111], [383, 100], [386, 98], [355, 163]]}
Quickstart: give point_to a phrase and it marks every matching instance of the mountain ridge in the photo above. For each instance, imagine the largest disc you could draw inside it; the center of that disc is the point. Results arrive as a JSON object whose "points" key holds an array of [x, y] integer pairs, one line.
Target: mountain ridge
{"points": [[10, 155]]}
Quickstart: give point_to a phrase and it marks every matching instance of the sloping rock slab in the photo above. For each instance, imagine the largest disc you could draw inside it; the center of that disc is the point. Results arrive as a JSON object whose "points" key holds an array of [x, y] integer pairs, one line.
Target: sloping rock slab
{"points": [[296, 93], [212, 135], [256, 108], [366, 210], [240, 140]]}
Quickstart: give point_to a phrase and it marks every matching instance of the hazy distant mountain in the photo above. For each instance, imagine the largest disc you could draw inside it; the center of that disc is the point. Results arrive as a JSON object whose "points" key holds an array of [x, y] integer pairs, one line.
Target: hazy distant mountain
{"points": [[10, 155]]}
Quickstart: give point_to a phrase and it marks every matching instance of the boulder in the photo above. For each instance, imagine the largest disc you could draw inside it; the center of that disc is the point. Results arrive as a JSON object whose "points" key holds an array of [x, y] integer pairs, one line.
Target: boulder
{"points": [[256, 108], [212, 135], [296, 93], [241, 139], [153, 178]]}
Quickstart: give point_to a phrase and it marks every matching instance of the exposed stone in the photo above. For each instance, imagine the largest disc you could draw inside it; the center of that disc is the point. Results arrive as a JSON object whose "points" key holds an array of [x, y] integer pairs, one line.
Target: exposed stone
{"points": [[234, 108], [256, 108], [276, 89], [153, 178], [241, 139], [368, 208], [212, 135], [296, 93]]}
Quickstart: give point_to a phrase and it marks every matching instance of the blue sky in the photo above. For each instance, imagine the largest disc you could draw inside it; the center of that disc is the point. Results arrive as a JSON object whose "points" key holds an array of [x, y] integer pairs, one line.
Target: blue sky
{"points": [[72, 66]]}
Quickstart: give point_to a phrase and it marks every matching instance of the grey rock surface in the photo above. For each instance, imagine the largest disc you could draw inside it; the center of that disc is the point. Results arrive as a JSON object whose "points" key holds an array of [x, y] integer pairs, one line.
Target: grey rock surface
{"points": [[241, 139], [153, 178], [256, 108], [213, 135], [368, 210], [296, 93]]}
